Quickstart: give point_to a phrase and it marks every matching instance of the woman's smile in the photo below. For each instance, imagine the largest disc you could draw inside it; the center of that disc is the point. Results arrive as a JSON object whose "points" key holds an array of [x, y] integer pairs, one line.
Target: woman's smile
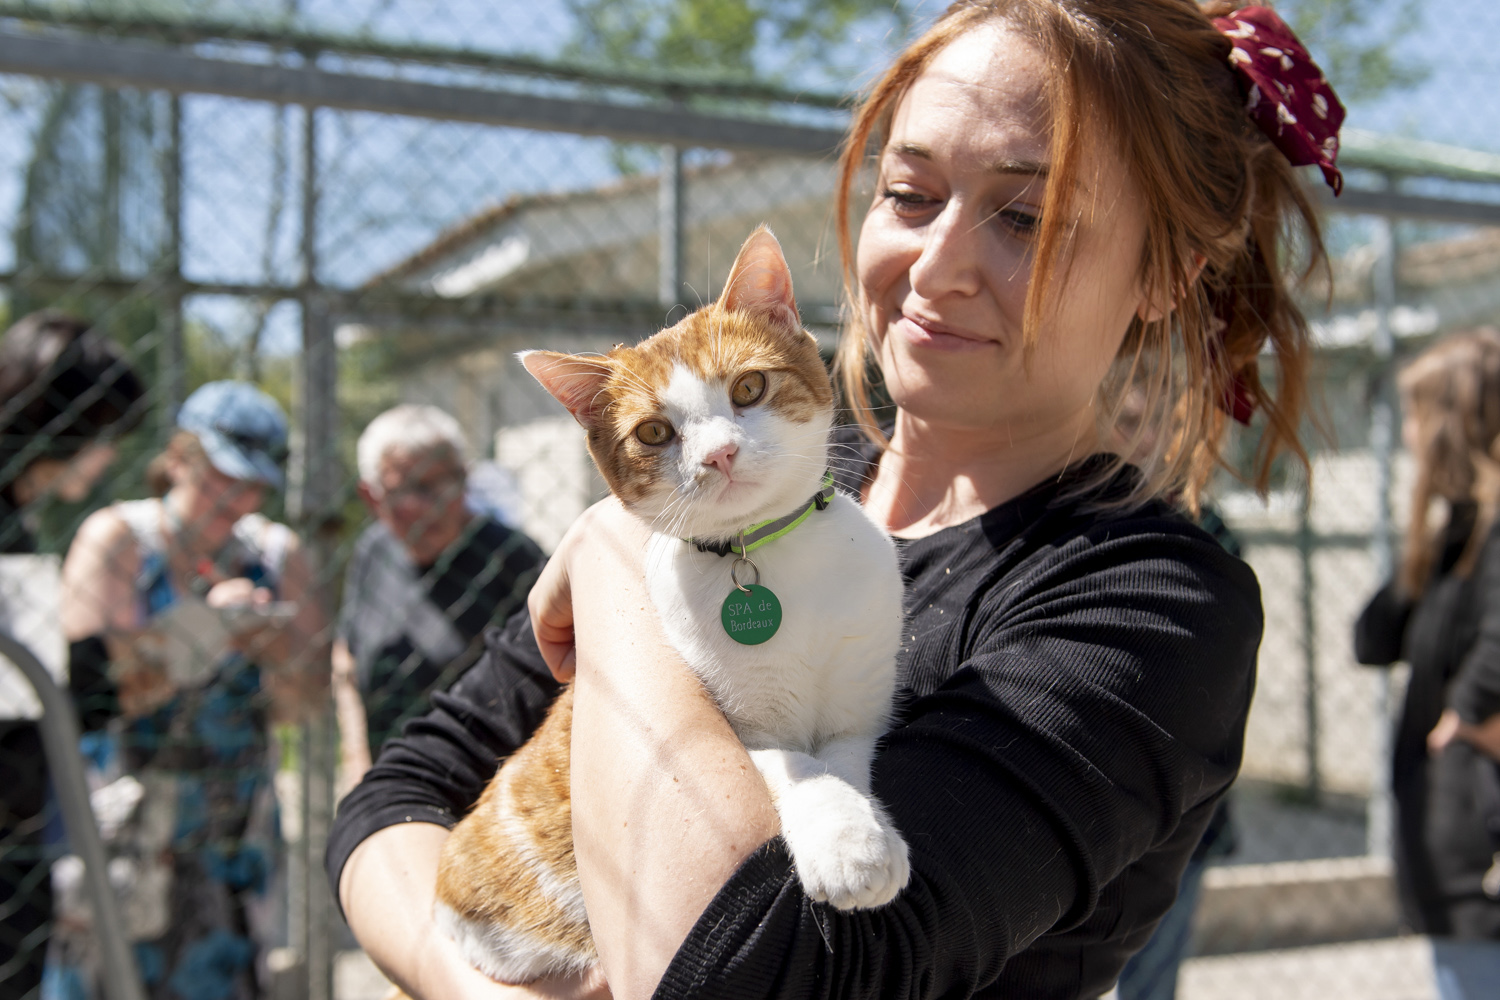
{"points": [[922, 332]]}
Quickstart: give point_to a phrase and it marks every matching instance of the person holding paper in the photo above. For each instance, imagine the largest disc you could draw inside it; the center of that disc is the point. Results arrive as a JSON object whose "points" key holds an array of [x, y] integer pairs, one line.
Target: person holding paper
{"points": [[205, 613]]}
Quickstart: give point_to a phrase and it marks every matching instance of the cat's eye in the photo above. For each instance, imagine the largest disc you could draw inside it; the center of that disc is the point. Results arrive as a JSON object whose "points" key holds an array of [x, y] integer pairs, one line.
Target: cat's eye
{"points": [[748, 389], [654, 432]]}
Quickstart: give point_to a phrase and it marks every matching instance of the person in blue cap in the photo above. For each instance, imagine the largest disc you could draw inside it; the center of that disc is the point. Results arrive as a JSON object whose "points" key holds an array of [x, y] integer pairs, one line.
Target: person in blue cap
{"points": [[200, 615]]}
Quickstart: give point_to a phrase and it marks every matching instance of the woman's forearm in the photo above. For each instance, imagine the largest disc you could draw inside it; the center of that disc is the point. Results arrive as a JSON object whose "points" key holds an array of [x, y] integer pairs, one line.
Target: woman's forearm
{"points": [[387, 890], [666, 802]]}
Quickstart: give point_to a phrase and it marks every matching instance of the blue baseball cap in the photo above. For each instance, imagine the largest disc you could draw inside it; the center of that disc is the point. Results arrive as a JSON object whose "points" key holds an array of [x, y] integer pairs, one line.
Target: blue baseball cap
{"points": [[241, 428]]}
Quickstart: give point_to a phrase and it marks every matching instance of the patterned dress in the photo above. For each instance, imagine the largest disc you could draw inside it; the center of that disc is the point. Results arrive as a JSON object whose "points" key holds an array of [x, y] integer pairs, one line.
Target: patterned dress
{"points": [[190, 818]]}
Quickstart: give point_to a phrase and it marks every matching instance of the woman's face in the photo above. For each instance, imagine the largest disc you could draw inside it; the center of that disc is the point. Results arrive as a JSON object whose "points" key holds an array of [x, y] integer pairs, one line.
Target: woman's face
{"points": [[945, 252], [212, 502]]}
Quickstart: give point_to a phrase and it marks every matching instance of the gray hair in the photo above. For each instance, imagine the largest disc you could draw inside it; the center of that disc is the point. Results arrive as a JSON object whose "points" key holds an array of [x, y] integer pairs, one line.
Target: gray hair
{"points": [[409, 429]]}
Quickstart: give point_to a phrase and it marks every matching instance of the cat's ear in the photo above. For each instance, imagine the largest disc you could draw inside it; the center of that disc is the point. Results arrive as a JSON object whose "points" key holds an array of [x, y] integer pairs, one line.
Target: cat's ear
{"points": [[576, 381], [760, 283]]}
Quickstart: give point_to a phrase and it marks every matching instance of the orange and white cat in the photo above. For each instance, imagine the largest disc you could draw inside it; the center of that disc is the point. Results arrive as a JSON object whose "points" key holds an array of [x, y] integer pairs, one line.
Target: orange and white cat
{"points": [[713, 426]]}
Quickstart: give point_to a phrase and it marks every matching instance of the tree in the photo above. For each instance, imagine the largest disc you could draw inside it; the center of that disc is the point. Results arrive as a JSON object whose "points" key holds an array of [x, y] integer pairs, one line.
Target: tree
{"points": [[772, 40], [1357, 42]]}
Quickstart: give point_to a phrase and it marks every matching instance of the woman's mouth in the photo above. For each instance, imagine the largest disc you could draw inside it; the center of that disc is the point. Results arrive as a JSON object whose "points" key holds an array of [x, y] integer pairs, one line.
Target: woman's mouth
{"points": [[922, 332]]}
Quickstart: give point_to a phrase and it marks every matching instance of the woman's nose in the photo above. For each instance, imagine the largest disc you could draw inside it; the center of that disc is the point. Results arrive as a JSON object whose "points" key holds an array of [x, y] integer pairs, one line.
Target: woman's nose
{"points": [[949, 261]]}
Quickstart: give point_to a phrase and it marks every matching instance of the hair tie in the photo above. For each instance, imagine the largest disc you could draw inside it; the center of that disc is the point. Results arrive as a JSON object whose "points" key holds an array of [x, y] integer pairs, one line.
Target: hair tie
{"points": [[1285, 92]]}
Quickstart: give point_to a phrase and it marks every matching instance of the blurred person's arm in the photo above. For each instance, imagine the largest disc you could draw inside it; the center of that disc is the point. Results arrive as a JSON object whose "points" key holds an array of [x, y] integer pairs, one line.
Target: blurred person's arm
{"points": [[349, 708], [1380, 630], [387, 889], [99, 608], [1473, 712], [98, 578]]}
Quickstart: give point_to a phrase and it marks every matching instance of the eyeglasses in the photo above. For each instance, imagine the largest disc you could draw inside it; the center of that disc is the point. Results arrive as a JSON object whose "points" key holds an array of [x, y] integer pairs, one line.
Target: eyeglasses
{"points": [[435, 492]]}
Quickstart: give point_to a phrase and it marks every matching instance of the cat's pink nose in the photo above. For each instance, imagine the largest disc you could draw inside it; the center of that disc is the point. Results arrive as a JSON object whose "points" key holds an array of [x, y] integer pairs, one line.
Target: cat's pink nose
{"points": [[722, 458]]}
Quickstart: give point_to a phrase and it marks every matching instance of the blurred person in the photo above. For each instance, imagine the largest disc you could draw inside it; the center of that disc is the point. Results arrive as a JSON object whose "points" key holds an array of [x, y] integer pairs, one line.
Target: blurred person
{"points": [[425, 580], [66, 394], [1441, 615], [203, 614]]}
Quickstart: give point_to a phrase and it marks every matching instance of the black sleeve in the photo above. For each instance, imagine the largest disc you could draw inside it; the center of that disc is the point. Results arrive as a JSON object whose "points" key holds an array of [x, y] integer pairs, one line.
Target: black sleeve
{"points": [[1100, 714], [1380, 631], [436, 769], [1475, 692], [94, 694]]}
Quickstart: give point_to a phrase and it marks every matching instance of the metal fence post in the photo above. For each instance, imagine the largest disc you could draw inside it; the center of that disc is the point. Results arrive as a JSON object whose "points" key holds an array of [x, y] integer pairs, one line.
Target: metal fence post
{"points": [[1383, 419], [60, 735], [171, 357], [319, 484], [1305, 549], [671, 199]]}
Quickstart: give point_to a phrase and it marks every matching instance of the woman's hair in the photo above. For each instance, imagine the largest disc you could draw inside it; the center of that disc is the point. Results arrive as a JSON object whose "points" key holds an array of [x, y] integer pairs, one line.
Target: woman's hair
{"points": [[409, 429], [63, 386], [182, 448], [1153, 79], [1451, 392]]}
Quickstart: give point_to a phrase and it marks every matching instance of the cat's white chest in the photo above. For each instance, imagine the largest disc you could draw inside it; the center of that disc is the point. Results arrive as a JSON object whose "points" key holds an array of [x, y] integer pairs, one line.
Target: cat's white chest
{"points": [[830, 667]]}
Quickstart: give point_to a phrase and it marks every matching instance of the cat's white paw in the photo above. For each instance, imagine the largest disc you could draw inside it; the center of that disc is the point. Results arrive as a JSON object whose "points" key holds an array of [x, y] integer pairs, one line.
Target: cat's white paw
{"points": [[846, 851]]}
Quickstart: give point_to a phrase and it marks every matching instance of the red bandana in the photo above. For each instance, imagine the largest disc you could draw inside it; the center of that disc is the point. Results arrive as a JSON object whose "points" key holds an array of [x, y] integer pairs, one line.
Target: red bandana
{"points": [[1285, 92]]}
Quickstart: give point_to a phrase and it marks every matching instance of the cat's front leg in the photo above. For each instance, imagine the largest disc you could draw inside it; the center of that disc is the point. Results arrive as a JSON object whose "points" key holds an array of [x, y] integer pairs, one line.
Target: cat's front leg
{"points": [[846, 850]]}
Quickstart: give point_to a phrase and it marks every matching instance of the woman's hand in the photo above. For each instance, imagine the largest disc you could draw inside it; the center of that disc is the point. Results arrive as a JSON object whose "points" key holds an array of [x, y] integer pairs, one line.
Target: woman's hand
{"points": [[1484, 737], [609, 541]]}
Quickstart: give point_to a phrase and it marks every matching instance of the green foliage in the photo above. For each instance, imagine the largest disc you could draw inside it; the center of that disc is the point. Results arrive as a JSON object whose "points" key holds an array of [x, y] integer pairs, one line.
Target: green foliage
{"points": [[1357, 42], [719, 38]]}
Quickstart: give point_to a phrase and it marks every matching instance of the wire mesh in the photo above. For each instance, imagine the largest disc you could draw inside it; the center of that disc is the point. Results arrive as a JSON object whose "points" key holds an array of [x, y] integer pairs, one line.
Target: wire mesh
{"points": [[212, 237]]}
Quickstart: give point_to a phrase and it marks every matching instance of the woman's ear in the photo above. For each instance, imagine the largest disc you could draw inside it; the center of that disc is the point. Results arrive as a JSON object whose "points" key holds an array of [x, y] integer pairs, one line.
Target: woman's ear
{"points": [[1152, 311]]}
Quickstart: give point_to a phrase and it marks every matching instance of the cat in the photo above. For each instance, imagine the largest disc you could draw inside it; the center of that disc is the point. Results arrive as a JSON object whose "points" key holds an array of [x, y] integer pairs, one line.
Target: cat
{"points": [[704, 431]]}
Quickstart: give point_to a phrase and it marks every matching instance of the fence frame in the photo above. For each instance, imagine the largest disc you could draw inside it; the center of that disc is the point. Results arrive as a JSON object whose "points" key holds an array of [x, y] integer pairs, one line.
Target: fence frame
{"points": [[115, 63]]}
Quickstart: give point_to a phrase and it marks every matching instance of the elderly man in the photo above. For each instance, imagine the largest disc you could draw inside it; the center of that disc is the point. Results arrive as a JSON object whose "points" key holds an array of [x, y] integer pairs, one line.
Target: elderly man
{"points": [[424, 580]]}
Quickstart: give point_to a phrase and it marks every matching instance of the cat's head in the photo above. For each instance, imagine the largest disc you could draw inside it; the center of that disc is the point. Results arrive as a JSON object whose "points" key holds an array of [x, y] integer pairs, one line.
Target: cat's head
{"points": [[712, 424]]}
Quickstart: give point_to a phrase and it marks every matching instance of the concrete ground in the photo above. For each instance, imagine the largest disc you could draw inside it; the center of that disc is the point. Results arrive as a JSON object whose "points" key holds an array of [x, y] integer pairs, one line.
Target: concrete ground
{"points": [[1406, 968]]}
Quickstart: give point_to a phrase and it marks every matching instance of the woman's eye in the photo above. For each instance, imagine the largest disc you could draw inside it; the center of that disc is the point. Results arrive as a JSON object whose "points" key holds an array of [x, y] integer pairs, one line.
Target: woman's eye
{"points": [[1019, 221], [654, 432], [748, 389], [906, 201]]}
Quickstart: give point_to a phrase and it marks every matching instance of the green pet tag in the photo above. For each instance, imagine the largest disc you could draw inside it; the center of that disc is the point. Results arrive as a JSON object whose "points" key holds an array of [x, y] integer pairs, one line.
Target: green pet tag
{"points": [[751, 616]]}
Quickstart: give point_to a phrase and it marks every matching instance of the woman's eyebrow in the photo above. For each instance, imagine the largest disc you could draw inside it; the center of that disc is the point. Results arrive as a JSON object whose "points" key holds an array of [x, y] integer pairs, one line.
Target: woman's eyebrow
{"points": [[1033, 168]]}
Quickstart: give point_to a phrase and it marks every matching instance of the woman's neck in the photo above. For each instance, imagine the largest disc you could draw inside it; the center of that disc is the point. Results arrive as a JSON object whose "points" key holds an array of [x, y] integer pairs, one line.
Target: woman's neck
{"points": [[196, 537], [933, 477]]}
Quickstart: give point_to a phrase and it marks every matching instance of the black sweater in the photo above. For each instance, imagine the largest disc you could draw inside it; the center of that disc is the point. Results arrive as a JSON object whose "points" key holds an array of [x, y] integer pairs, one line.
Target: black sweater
{"points": [[1073, 693]]}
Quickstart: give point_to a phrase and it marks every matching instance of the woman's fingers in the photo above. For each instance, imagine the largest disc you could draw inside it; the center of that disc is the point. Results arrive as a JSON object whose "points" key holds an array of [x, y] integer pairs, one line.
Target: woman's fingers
{"points": [[551, 605], [1444, 732], [227, 593]]}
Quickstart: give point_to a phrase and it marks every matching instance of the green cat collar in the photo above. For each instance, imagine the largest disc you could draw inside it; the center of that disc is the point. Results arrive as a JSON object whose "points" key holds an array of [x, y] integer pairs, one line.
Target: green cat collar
{"points": [[757, 535]]}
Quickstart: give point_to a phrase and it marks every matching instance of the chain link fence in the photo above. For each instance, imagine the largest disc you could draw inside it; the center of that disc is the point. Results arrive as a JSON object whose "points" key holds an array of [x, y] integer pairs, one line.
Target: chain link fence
{"points": [[354, 205]]}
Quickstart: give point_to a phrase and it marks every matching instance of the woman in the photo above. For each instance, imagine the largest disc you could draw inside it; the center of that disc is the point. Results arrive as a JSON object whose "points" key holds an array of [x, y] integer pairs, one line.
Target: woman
{"points": [[205, 615], [66, 393], [1442, 615], [1049, 225]]}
